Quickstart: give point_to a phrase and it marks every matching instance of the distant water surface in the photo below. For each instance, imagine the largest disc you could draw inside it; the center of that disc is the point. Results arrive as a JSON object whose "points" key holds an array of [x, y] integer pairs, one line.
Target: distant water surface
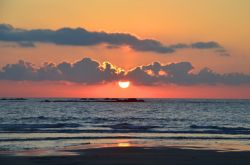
{"points": [[36, 123]]}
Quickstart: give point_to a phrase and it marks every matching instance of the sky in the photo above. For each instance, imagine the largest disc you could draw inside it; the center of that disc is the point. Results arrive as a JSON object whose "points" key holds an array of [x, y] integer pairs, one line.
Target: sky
{"points": [[165, 48]]}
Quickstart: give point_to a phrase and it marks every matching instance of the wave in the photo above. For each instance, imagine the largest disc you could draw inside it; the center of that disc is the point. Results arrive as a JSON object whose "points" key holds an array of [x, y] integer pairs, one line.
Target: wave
{"points": [[37, 126], [119, 128], [35, 118], [125, 137], [131, 126], [224, 129], [77, 130], [220, 128]]}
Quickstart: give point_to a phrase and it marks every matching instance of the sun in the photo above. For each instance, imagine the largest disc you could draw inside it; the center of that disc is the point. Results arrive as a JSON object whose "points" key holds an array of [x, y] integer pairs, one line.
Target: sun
{"points": [[124, 84]]}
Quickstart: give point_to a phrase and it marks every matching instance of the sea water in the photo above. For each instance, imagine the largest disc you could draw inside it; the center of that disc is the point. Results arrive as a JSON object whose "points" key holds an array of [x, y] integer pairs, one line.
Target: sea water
{"points": [[43, 124]]}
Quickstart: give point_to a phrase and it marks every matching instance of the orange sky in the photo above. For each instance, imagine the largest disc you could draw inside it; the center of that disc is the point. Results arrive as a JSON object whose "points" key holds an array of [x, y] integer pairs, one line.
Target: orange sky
{"points": [[225, 21], [71, 90]]}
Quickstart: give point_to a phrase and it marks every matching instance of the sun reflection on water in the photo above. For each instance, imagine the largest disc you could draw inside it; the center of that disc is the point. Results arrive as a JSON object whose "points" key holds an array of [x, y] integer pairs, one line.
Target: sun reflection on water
{"points": [[123, 144]]}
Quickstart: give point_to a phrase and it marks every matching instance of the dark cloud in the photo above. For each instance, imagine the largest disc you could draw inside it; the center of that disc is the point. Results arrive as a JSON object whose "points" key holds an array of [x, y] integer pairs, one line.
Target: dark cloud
{"points": [[85, 71], [211, 45], [176, 73], [88, 71], [20, 71], [181, 74], [206, 45], [82, 37]]}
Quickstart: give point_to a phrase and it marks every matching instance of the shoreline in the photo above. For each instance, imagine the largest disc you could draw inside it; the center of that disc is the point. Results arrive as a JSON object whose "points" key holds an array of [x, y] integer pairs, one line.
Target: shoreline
{"points": [[130, 155], [44, 149]]}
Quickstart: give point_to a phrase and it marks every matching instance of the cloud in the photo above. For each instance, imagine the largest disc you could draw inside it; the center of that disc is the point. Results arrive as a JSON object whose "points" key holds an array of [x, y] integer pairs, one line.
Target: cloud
{"points": [[211, 45], [206, 45], [88, 71], [181, 74], [174, 73], [19, 71], [82, 37]]}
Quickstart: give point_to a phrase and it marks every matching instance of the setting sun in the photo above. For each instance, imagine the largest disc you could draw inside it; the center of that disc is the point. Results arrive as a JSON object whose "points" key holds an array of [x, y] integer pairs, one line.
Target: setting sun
{"points": [[124, 84]]}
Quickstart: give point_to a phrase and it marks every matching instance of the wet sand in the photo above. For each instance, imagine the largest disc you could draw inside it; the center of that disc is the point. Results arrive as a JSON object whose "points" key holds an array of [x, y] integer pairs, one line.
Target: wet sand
{"points": [[134, 156]]}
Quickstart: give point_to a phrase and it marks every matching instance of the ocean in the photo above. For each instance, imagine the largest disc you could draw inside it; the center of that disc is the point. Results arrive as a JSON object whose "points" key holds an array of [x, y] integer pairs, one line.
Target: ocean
{"points": [[38, 123]]}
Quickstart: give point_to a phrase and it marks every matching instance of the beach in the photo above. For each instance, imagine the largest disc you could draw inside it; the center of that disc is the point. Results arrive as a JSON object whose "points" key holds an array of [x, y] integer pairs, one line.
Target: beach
{"points": [[133, 156]]}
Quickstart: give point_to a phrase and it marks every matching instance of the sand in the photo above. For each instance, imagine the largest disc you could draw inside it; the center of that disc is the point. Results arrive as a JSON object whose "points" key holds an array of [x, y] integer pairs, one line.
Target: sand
{"points": [[135, 156]]}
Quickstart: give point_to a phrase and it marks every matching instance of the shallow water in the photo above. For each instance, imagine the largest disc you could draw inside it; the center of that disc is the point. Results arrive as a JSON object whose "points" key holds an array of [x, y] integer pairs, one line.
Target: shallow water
{"points": [[34, 124]]}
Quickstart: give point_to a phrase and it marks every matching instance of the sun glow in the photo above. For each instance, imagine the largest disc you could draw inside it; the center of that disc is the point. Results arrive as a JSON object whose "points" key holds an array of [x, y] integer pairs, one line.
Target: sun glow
{"points": [[124, 144], [124, 84]]}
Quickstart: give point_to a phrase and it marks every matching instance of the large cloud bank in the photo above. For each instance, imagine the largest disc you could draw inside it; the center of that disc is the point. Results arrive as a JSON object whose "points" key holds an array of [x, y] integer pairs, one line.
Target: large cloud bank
{"points": [[88, 71]]}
